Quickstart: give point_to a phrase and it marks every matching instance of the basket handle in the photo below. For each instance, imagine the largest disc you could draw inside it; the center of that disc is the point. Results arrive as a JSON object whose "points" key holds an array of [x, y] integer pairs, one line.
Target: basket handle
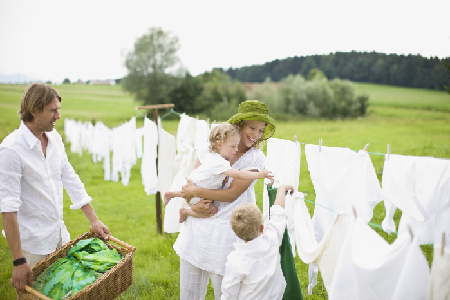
{"points": [[30, 290], [117, 241]]}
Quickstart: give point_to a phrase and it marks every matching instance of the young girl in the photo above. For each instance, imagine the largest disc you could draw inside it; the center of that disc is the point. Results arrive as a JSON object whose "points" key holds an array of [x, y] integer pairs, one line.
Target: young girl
{"points": [[215, 166]]}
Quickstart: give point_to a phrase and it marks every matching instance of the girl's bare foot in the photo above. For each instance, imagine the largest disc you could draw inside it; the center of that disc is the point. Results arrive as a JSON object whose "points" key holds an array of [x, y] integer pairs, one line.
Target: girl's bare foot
{"points": [[167, 197], [183, 215]]}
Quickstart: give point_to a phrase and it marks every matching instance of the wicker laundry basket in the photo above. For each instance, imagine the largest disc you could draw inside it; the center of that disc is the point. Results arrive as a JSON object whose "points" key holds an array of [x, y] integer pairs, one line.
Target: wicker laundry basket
{"points": [[109, 286]]}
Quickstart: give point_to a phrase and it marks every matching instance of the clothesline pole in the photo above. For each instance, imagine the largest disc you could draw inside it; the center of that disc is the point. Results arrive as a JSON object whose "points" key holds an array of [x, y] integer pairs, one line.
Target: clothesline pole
{"points": [[158, 194]]}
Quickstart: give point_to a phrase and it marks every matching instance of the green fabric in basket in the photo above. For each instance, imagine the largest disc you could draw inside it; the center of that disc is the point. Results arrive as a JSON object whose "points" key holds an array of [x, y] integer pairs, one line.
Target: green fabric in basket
{"points": [[293, 290], [85, 263]]}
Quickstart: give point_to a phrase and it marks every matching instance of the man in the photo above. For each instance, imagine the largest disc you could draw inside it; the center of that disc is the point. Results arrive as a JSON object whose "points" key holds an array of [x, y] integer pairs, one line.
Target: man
{"points": [[33, 171]]}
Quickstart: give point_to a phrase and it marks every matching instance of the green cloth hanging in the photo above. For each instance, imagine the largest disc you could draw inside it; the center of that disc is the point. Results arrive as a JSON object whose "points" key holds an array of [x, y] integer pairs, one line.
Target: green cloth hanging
{"points": [[293, 290], [85, 262]]}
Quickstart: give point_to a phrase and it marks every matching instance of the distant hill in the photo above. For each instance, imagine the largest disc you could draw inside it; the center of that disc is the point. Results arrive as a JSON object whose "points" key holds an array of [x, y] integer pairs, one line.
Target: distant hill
{"points": [[393, 69], [17, 78]]}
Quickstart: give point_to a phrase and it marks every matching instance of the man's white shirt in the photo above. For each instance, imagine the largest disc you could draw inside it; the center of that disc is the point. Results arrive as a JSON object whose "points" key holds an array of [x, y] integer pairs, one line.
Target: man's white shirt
{"points": [[31, 184]]}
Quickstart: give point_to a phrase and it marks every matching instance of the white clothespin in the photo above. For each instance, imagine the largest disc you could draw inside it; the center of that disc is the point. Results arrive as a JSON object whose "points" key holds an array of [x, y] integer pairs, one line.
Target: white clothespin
{"points": [[388, 152], [197, 117], [354, 211], [366, 147], [295, 139], [443, 244], [320, 145], [207, 121], [410, 232]]}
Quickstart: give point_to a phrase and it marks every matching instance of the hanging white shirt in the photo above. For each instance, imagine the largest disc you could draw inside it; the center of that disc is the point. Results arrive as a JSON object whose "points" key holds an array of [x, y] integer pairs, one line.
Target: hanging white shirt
{"points": [[370, 268], [420, 187], [32, 185], [253, 269], [341, 178]]}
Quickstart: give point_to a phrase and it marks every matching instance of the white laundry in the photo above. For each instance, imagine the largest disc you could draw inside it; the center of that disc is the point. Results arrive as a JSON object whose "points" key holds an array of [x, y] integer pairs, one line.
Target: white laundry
{"points": [[370, 268], [201, 142], [184, 164], [166, 157], [101, 147], [123, 144], [342, 178], [283, 160], [420, 187], [439, 287], [148, 167], [324, 253], [139, 143]]}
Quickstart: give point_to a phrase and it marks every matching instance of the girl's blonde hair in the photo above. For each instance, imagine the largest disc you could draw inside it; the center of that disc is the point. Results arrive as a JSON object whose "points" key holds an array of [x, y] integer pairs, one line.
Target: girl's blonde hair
{"points": [[259, 144], [221, 133], [36, 97], [246, 221]]}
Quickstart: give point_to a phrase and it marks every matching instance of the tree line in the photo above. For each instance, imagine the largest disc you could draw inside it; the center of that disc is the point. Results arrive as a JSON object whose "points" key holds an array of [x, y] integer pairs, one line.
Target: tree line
{"points": [[393, 69]]}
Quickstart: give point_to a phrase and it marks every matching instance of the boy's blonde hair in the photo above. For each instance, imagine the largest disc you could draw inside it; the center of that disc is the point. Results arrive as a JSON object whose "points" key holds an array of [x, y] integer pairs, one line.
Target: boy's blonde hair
{"points": [[36, 97], [246, 221], [221, 133]]}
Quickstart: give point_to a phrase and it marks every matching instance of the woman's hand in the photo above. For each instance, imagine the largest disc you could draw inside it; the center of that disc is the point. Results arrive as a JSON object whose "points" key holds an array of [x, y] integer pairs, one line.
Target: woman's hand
{"points": [[188, 190], [204, 207]]}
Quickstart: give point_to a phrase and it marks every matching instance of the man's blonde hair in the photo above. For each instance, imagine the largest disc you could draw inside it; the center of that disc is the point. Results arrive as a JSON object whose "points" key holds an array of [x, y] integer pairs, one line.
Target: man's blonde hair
{"points": [[246, 221], [221, 133], [36, 97]]}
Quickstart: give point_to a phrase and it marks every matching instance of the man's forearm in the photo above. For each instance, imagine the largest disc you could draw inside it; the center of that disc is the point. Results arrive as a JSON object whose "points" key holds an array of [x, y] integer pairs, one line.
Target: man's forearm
{"points": [[89, 212], [12, 233]]}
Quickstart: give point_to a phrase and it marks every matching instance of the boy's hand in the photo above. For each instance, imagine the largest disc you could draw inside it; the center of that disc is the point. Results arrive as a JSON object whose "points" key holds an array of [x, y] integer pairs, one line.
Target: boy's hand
{"points": [[287, 187]]}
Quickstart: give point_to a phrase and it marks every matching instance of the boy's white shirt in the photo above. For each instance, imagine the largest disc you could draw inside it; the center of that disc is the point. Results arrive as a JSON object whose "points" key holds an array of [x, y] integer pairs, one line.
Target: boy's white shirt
{"points": [[253, 269]]}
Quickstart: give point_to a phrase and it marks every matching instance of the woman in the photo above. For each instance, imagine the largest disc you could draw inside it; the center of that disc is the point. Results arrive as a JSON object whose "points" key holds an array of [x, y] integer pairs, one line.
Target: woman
{"points": [[204, 244]]}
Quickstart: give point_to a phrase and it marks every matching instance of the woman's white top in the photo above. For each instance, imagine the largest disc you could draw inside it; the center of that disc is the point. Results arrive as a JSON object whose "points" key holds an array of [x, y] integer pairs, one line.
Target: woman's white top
{"points": [[206, 243]]}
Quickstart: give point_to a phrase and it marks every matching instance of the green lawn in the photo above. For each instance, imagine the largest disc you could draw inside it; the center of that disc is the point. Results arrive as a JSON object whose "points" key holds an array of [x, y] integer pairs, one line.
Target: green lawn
{"points": [[413, 122]]}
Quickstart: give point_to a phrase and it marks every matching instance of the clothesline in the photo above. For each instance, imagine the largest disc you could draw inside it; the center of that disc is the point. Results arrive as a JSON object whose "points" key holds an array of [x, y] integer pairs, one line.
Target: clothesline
{"points": [[330, 209]]}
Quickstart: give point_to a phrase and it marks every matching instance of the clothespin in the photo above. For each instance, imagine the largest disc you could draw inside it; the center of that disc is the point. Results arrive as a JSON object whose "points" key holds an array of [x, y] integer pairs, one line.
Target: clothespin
{"points": [[410, 232], [197, 117], [207, 120], [388, 152], [354, 211], [295, 139], [366, 147], [443, 244], [320, 145]]}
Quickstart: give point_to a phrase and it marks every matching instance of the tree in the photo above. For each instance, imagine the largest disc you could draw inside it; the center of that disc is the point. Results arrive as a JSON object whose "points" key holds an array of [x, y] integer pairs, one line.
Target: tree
{"points": [[152, 65], [66, 81]]}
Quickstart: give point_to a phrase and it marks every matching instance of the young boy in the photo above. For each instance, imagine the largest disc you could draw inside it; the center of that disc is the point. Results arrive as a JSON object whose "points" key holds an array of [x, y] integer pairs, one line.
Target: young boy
{"points": [[253, 269]]}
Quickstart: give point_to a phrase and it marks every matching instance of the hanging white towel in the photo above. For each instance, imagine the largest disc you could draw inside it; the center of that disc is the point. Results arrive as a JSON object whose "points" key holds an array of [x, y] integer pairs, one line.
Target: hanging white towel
{"points": [[370, 268], [148, 168], [420, 187], [166, 157], [283, 160], [184, 164], [201, 142]]}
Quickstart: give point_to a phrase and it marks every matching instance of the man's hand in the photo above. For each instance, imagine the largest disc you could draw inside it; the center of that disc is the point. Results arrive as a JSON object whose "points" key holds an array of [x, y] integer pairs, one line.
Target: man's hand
{"points": [[204, 207], [19, 276], [100, 229]]}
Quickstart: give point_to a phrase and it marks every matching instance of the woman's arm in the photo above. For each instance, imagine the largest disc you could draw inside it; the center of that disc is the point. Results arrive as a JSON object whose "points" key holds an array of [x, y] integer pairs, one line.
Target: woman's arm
{"points": [[237, 187]]}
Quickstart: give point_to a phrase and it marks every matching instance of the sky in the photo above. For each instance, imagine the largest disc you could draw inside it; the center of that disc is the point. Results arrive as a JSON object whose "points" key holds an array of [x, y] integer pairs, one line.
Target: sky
{"points": [[53, 40]]}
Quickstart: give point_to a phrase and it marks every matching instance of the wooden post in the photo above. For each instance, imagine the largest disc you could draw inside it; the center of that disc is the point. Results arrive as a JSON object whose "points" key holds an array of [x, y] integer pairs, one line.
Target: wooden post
{"points": [[158, 194]]}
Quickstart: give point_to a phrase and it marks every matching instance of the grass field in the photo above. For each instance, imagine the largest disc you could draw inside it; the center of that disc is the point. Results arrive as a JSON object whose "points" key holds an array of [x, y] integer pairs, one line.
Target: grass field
{"points": [[412, 121]]}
